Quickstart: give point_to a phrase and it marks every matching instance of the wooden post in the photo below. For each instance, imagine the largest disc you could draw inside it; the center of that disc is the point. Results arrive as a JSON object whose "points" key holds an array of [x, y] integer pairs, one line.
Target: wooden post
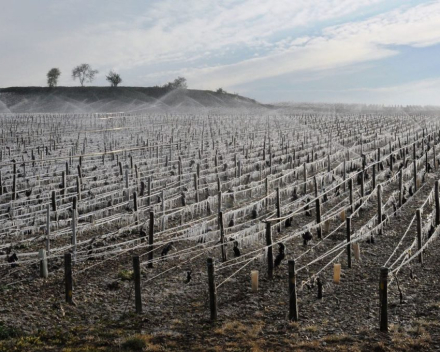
{"points": [[78, 187], [73, 241], [68, 277], [135, 206], [54, 202], [219, 195], [278, 208], [266, 183], [345, 176], [437, 204], [415, 175], [400, 187], [348, 228], [137, 284], [379, 207], [362, 186], [43, 263], [305, 178], [48, 228], [419, 234], [383, 299], [196, 187], [149, 191], [150, 241], [319, 283], [318, 216], [350, 187], [315, 186], [14, 186], [269, 250], [212, 289], [163, 202], [293, 305], [63, 183], [222, 236], [374, 176]]}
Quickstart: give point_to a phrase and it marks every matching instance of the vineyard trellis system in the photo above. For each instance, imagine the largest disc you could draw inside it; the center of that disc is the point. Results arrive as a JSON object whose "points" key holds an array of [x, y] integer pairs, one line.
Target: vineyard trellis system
{"points": [[172, 189]]}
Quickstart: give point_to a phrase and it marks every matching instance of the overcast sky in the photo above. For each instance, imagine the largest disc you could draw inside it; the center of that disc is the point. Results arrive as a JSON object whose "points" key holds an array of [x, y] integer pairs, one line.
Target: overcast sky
{"points": [[367, 51]]}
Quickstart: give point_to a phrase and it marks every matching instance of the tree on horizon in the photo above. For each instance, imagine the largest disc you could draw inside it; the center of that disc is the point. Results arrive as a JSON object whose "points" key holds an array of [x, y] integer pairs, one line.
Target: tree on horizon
{"points": [[52, 77], [84, 73]]}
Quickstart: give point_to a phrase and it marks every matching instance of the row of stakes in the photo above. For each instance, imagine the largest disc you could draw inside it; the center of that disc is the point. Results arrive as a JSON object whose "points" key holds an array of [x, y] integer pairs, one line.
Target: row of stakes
{"points": [[293, 306]]}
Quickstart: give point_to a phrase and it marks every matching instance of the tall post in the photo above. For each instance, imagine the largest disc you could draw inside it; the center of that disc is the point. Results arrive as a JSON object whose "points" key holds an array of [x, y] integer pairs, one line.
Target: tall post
{"points": [[212, 289], [219, 195], [305, 178], [419, 234], [54, 201], [400, 187], [269, 250], [278, 208], [345, 176], [379, 207], [362, 186], [63, 183], [415, 175], [78, 187], [74, 213], [383, 299], [196, 187], [149, 191], [137, 284], [348, 228], [150, 241], [293, 305], [318, 216], [437, 204], [350, 187], [374, 176], [68, 277], [48, 229], [135, 206], [222, 236]]}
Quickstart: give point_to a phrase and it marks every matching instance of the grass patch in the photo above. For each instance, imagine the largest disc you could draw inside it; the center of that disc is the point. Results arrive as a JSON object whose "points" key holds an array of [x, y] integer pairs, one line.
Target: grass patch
{"points": [[8, 332], [126, 275]]}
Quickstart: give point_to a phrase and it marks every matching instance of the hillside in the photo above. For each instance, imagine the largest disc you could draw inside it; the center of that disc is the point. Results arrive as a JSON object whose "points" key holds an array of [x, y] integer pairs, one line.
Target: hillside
{"points": [[108, 99]]}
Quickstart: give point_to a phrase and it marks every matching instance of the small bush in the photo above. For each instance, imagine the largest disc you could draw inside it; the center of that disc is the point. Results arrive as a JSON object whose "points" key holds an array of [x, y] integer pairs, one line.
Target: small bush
{"points": [[135, 343]]}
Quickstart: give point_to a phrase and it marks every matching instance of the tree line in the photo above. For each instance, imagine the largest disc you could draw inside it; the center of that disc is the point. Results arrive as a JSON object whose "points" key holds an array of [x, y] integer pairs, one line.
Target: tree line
{"points": [[84, 73]]}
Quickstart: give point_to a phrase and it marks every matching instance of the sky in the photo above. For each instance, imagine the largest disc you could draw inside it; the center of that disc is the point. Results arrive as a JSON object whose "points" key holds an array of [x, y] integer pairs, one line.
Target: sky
{"points": [[340, 51]]}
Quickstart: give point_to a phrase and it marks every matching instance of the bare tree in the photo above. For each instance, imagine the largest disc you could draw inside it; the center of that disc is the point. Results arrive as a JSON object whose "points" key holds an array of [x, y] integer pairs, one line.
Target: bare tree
{"points": [[84, 73], [52, 77], [113, 78]]}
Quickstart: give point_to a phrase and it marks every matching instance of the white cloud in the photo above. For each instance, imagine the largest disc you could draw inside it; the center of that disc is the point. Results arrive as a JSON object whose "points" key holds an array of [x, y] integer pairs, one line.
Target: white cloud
{"points": [[161, 31], [346, 44]]}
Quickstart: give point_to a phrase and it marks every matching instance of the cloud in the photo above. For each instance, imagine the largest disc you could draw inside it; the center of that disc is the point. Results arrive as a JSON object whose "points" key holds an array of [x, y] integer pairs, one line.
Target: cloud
{"points": [[338, 46], [141, 34]]}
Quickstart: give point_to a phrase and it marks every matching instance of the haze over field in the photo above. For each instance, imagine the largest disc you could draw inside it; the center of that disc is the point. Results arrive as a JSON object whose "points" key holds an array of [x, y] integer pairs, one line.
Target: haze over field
{"points": [[364, 51]]}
